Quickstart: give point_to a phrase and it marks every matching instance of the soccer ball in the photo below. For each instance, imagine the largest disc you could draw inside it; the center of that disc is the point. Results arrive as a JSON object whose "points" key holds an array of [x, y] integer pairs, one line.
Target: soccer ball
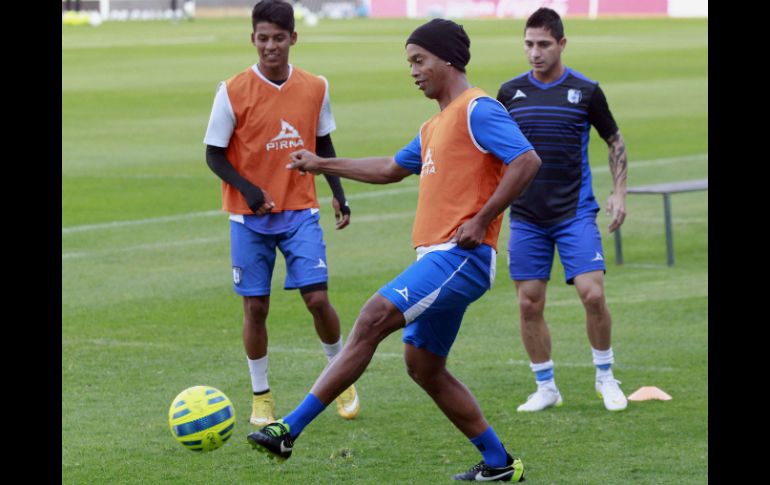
{"points": [[201, 418]]}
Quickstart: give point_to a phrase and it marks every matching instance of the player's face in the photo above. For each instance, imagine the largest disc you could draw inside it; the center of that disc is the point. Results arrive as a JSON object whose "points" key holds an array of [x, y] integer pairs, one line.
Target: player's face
{"points": [[428, 70], [543, 51], [273, 43]]}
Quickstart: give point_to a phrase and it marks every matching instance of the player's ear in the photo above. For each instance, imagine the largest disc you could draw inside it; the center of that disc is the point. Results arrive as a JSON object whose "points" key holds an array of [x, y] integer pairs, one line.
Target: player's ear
{"points": [[563, 43], [293, 38], [253, 38]]}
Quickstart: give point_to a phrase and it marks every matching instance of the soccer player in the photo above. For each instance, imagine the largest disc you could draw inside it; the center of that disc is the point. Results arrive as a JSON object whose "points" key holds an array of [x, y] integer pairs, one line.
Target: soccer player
{"points": [[472, 161], [260, 116], [555, 107]]}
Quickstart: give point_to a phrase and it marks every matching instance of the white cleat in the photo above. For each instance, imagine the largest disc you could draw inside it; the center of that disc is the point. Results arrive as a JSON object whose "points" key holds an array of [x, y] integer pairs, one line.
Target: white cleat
{"points": [[541, 399], [608, 389]]}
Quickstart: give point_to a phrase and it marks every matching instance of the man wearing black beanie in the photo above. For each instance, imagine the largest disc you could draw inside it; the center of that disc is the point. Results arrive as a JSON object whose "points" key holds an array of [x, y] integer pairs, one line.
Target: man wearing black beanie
{"points": [[445, 39], [473, 162]]}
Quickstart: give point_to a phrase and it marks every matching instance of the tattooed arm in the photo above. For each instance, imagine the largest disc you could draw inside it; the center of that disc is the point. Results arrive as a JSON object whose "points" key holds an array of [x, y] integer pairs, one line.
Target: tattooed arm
{"points": [[616, 203]]}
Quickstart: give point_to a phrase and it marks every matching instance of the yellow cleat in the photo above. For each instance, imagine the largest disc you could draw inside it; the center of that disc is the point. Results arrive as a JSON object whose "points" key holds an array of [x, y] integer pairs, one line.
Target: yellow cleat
{"points": [[347, 403], [263, 410]]}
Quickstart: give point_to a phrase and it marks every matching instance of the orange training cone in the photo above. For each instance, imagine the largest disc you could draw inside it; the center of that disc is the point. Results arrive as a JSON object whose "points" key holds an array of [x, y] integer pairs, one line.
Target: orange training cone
{"points": [[649, 392]]}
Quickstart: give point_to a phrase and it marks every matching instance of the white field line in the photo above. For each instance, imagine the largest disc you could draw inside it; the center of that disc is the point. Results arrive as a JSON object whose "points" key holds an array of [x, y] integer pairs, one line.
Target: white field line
{"points": [[201, 39], [101, 342], [140, 247], [674, 220], [223, 238], [219, 213], [643, 368], [352, 197], [656, 162]]}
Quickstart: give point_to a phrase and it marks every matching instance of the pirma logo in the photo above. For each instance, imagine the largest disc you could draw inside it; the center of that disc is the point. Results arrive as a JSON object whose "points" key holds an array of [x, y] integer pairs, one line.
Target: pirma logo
{"points": [[574, 96], [288, 137]]}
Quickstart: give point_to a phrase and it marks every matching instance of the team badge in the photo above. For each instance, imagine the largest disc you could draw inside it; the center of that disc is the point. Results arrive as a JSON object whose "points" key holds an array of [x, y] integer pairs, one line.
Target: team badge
{"points": [[237, 275], [574, 96]]}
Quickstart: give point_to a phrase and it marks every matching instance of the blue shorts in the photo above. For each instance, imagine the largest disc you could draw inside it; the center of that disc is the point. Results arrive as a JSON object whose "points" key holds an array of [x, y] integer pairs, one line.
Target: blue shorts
{"points": [[530, 248], [253, 256], [434, 292]]}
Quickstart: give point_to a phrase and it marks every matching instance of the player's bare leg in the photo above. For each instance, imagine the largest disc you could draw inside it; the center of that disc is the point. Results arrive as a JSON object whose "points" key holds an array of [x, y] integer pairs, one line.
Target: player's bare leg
{"points": [[327, 325], [537, 341], [590, 287], [255, 310]]}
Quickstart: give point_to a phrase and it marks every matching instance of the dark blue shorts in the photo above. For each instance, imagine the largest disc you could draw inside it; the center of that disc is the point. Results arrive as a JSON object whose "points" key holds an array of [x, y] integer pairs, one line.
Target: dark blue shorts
{"points": [[531, 247], [253, 256], [434, 292]]}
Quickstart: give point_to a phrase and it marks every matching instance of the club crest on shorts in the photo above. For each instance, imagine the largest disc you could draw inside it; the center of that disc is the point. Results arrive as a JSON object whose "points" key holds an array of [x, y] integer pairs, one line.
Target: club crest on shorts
{"points": [[237, 272], [574, 96]]}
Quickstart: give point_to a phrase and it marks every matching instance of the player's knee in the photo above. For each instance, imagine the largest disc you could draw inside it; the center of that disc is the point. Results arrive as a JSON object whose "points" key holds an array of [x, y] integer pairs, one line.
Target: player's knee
{"points": [[316, 302], [593, 298], [530, 308], [414, 371], [427, 378], [255, 309], [376, 321]]}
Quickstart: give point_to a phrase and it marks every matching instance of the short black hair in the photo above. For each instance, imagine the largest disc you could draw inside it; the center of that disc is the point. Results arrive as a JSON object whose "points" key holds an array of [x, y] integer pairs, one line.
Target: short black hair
{"points": [[547, 19], [275, 12]]}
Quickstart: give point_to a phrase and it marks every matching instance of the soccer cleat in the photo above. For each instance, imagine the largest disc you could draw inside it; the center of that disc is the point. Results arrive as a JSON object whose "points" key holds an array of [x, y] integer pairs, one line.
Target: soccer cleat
{"points": [[274, 439], [543, 398], [614, 400], [513, 472], [262, 410], [347, 403]]}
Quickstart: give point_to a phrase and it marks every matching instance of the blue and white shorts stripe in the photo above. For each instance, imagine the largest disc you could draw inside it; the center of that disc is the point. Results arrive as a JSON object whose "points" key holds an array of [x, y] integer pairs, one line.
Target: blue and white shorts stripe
{"points": [[435, 290]]}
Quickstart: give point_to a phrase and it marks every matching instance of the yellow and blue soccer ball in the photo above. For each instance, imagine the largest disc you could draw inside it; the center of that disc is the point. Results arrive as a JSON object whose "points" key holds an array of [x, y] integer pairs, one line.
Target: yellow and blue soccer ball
{"points": [[201, 418]]}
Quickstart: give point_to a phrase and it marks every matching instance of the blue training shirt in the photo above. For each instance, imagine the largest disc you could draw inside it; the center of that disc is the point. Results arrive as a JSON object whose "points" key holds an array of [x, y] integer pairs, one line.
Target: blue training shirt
{"points": [[490, 126], [557, 119]]}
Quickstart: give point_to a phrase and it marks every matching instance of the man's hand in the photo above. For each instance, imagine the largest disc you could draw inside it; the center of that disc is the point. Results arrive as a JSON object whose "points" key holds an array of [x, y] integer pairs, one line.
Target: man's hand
{"points": [[343, 219], [305, 161], [266, 206], [470, 234], [616, 209]]}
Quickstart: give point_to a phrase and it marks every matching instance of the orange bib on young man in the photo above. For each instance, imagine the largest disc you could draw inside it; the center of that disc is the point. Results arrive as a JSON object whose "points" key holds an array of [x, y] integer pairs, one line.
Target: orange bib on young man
{"points": [[270, 123], [457, 177]]}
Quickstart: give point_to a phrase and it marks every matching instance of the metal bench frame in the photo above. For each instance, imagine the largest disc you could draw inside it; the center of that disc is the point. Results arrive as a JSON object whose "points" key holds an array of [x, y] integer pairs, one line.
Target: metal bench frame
{"points": [[666, 190]]}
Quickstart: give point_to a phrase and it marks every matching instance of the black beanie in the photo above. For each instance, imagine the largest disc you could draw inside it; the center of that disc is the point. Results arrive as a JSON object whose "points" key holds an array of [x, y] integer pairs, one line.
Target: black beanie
{"points": [[444, 39]]}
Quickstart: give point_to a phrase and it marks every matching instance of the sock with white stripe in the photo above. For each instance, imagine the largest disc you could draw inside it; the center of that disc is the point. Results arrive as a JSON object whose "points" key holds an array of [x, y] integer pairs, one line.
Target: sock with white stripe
{"points": [[603, 360], [543, 374]]}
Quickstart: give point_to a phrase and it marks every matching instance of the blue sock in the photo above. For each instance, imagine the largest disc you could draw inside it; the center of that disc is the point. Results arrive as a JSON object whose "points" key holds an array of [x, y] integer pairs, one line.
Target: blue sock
{"points": [[491, 448], [303, 414], [604, 366]]}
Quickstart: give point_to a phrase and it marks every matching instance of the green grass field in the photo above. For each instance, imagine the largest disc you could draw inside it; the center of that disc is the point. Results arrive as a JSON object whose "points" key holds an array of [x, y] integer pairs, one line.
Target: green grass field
{"points": [[148, 309]]}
